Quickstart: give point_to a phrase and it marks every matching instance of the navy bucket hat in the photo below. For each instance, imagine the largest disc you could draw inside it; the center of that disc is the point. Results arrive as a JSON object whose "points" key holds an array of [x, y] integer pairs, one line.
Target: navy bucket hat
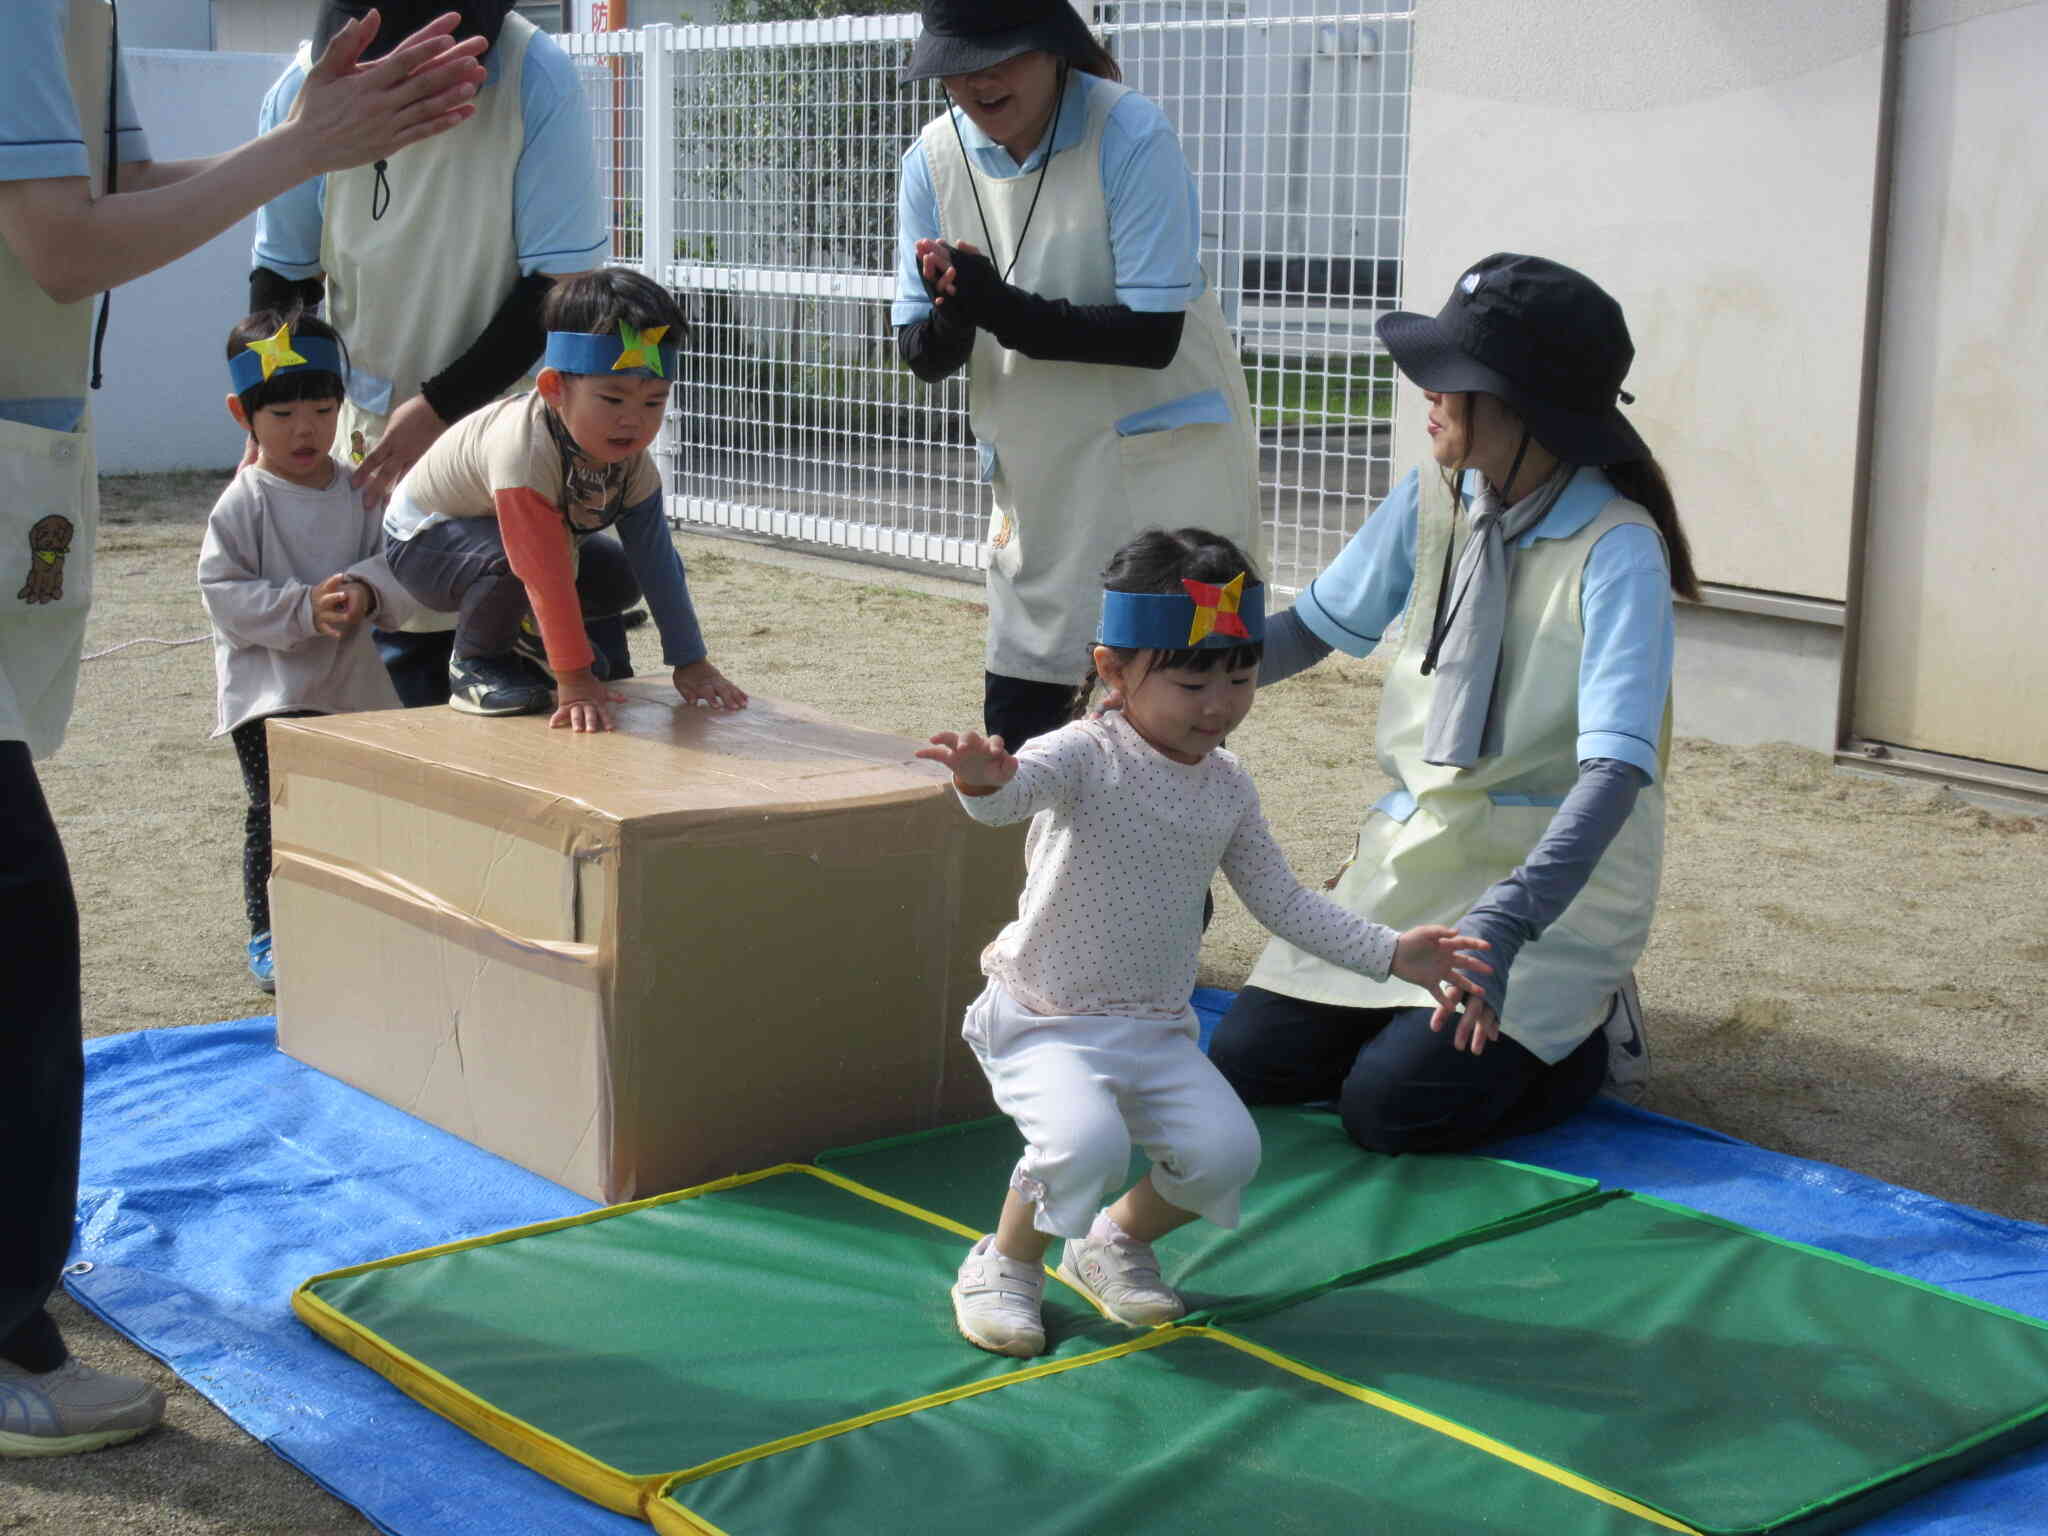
{"points": [[1546, 339], [962, 36]]}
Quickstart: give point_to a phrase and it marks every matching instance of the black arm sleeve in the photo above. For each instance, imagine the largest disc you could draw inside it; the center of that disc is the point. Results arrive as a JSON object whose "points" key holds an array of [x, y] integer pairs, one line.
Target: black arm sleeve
{"points": [[933, 348], [270, 290], [509, 345], [1057, 331], [1291, 647]]}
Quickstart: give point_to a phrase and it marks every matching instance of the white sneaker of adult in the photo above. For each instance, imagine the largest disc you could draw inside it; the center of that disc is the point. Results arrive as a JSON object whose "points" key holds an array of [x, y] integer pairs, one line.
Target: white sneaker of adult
{"points": [[72, 1409], [997, 1302]]}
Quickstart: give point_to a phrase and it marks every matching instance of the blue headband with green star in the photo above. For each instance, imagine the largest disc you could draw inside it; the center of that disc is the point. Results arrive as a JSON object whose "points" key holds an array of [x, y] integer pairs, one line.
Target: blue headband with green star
{"points": [[644, 353]]}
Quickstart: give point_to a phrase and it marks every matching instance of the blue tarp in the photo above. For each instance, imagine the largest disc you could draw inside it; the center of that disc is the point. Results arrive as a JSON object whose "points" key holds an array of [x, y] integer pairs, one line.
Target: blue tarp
{"points": [[219, 1173]]}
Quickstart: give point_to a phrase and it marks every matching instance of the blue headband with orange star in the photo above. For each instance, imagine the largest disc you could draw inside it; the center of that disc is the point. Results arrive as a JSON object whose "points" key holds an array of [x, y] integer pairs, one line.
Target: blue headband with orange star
{"points": [[1204, 616], [284, 353], [634, 351]]}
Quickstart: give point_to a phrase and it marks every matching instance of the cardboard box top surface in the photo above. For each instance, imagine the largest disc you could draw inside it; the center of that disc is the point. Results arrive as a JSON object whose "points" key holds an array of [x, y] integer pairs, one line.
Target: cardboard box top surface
{"points": [[664, 758]]}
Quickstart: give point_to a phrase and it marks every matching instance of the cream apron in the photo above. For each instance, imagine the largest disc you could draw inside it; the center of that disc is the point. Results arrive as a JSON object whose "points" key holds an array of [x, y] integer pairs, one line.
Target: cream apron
{"points": [[411, 291], [1431, 848], [1070, 488], [49, 490]]}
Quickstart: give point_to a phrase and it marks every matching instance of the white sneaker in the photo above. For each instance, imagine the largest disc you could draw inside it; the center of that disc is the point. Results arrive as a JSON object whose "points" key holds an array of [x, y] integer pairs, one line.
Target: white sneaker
{"points": [[71, 1409], [996, 1302], [1122, 1275], [1628, 1048]]}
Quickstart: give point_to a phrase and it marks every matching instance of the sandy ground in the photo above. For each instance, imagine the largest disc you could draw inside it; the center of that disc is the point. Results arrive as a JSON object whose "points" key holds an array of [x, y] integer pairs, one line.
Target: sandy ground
{"points": [[1843, 968]]}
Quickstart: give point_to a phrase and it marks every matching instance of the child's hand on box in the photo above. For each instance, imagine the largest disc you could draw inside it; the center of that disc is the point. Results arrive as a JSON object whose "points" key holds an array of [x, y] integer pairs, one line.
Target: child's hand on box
{"points": [[702, 683], [980, 764], [581, 700]]}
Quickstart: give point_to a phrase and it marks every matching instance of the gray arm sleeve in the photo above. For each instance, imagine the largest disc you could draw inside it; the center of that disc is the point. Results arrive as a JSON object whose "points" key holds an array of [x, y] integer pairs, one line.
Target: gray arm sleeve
{"points": [[1291, 647], [1528, 901]]}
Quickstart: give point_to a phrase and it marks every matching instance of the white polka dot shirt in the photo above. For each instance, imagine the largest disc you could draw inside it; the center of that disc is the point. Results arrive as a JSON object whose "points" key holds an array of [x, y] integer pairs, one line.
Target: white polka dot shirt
{"points": [[1120, 856]]}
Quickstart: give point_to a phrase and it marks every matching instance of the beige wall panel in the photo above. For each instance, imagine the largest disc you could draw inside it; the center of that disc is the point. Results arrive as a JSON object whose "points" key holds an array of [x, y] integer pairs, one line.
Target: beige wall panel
{"points": [[262, 26], [1711, 165], [1951, 653]]}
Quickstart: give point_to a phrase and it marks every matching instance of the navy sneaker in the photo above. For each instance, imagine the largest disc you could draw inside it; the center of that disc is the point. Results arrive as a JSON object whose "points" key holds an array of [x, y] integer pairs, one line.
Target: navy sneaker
{"points": [[527, 644], [261, 963], [498, 685]]}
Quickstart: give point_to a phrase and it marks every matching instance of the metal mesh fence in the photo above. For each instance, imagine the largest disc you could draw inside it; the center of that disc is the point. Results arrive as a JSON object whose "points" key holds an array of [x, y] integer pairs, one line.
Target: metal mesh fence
{"points": [[761, 160]]}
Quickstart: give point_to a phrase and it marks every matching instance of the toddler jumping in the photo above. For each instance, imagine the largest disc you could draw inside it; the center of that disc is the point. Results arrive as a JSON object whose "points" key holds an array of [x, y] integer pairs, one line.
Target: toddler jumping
{"points": [[488, 522], [290, 567], [1084, 1029]]}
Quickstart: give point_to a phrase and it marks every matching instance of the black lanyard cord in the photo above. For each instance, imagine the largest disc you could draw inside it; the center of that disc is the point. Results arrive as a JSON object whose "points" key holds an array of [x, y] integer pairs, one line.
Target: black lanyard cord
{"points": [[1052, 128], [99, 330]]}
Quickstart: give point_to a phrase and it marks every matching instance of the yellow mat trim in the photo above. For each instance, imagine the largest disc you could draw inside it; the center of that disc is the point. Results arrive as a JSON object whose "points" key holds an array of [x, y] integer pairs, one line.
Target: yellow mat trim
{"points": [[867, 1192], [909, 1406], [1451, 1429]]}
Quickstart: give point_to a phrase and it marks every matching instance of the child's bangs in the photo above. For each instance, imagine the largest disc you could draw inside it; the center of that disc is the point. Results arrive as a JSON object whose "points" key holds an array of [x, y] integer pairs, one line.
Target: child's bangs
{"points": [[1207, 659], [292, 386]]}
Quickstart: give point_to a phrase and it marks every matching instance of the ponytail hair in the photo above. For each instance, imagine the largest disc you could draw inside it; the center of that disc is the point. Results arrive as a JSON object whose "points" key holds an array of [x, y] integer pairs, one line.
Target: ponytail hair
{"points": [[1642, 482]]}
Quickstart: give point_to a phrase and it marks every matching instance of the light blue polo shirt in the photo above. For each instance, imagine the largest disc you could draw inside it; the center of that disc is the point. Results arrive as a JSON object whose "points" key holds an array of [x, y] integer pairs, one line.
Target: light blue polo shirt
{"points": [[1624, 605], [559, 222], [1155, 222], [41, 138]]}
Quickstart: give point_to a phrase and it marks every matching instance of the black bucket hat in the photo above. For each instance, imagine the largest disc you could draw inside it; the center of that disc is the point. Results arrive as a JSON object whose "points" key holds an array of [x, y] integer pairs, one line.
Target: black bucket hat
{"points": [[1549, 341], [962, 36]]}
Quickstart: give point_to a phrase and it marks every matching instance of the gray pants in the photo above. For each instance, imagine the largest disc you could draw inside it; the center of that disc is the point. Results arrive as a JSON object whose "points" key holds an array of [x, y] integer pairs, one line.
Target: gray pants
{"points": [[460, 567]]}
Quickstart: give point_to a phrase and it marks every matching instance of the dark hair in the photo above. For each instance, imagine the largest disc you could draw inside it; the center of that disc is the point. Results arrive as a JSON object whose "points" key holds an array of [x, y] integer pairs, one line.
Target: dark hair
{"points": [[295, 383], [1157, 561], [595, 303], [1094, 58], [1642, 481]]}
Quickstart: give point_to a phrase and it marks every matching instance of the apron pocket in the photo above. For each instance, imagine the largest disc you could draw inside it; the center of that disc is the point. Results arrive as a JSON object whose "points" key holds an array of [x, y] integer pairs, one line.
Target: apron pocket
{"points": [[49, 515]]}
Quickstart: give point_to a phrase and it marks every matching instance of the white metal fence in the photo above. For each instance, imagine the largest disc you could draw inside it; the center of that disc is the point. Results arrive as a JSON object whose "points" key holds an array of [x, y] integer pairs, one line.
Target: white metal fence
{"points": [[753, 168]]}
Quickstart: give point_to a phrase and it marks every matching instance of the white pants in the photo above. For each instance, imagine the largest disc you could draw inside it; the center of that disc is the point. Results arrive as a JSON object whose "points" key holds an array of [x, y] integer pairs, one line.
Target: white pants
{"points": [[1082, 1088]]}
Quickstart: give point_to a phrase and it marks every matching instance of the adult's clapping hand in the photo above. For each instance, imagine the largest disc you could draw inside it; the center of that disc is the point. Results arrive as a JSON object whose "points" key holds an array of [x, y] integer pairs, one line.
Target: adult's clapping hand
{"points": [[349, 113]]}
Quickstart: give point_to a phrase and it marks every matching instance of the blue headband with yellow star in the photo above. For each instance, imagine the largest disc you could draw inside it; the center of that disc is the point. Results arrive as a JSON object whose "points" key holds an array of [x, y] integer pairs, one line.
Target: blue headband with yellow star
{"points": [[284, 353], [631, 351], [1202, 616]]}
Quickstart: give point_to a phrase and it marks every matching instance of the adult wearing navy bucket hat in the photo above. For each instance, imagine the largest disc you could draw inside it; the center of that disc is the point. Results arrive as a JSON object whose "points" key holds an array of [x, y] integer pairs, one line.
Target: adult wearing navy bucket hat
{"points": [[1525, 721], [1048, 242]]}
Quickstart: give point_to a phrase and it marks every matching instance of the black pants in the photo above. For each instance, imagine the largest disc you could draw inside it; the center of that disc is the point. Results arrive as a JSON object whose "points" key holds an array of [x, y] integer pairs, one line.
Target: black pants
{"points": [[464, 570], [42, 1067], [1397, 1086], [1018, 709], [252, 751]]}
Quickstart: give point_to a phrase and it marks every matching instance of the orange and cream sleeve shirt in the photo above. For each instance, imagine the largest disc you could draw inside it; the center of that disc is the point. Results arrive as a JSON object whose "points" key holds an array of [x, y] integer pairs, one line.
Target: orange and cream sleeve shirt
{"points": [[514, 461]]}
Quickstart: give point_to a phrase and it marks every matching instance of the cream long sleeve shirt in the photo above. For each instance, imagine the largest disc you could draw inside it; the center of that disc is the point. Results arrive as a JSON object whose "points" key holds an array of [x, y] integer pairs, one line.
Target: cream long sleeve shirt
{"points": [[1120, 855], [268, 544]]}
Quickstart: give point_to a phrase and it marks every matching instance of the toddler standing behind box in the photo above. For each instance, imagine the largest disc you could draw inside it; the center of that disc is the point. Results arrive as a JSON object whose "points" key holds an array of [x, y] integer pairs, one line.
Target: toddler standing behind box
{"points": [[290, 567], [489, 520]]}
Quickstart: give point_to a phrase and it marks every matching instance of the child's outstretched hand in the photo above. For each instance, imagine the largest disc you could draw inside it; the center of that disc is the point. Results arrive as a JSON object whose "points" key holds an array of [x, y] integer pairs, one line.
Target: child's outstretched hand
{"points": [[702, 683], [1443, 961], [977, 761]]}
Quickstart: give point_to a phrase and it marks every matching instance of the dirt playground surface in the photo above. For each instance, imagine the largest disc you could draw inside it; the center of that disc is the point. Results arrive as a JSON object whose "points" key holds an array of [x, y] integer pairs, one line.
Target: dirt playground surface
{"points": [[1843, 968]]}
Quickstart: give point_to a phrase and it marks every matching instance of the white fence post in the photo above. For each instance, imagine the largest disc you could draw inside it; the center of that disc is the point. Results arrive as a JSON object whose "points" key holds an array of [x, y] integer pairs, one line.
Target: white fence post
{"points": [[658, 192]]}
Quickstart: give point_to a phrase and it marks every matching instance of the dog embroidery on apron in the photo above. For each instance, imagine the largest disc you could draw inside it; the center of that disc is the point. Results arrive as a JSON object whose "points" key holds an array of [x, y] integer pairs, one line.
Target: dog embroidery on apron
{"points": [[49, 541]]}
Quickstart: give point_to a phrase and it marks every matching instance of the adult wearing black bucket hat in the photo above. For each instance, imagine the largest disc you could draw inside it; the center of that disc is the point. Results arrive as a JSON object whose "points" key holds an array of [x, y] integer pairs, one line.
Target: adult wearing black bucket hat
{"points": [[1525, 720], [1048, 241], [433, 265]]}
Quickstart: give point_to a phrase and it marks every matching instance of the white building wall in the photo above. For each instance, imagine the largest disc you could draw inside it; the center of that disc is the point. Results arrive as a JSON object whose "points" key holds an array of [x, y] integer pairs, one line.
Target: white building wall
{"points": [[1712, 164], [166, 375]]}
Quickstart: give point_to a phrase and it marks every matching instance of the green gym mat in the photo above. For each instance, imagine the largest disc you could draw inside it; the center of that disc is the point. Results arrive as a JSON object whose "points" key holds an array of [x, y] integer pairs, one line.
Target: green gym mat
{"points": [[1184, 1435], [1320, 1209], [1736, 1382], [613, 1350]]}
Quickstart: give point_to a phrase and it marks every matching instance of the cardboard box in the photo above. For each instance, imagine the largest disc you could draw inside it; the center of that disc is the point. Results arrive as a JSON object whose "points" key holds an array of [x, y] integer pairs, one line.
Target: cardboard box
{"points": [[634, 961]]}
